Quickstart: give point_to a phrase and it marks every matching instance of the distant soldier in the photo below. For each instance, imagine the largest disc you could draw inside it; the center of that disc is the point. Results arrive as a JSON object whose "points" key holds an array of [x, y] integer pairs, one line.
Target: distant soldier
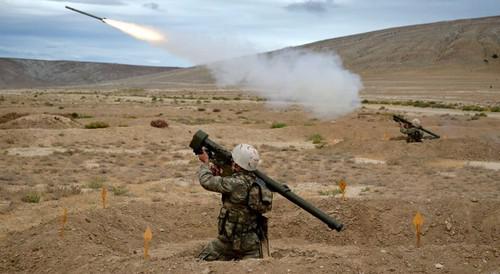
{"points": [[240, 227], [412, 131]]}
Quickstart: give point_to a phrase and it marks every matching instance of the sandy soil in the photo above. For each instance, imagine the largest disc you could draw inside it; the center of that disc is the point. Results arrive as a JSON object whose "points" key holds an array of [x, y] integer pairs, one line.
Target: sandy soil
{"points": [[150, 173]]}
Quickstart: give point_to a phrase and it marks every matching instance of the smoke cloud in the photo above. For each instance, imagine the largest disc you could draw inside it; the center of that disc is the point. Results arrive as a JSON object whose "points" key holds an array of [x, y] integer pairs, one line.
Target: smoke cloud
{"points": [[316, 81]]}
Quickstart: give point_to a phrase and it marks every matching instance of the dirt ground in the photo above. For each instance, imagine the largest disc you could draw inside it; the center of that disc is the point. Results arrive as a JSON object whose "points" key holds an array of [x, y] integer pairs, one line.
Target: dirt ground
{"points": [[48, 153]]}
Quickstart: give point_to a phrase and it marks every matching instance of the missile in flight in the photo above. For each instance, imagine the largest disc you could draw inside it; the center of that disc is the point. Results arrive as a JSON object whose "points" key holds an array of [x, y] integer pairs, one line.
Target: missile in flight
{"points": [[88, 14]]}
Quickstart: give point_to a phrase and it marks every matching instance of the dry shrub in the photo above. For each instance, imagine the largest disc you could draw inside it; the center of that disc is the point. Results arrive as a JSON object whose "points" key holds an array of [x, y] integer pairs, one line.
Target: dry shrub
{"points": [[57, 192], [159, 123], [119, 190], [31, 197], [97, 124]]}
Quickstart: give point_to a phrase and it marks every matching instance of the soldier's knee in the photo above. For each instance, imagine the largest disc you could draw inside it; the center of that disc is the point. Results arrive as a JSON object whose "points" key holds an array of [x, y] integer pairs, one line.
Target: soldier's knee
{"points": [[214, 251]]}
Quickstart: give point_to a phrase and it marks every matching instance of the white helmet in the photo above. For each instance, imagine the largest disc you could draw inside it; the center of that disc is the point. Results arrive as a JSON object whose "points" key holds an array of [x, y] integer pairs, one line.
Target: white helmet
{"points": [[416, 122], [246, 156]]}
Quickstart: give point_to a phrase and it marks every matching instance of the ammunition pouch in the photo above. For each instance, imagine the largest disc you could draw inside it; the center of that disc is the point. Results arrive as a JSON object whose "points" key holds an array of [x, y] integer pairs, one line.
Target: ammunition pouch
{"points": [[234, 224]]}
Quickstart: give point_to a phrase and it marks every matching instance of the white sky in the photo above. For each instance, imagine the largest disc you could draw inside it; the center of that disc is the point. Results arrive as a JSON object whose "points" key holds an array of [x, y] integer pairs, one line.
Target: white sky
{"points": [[44, 29]]}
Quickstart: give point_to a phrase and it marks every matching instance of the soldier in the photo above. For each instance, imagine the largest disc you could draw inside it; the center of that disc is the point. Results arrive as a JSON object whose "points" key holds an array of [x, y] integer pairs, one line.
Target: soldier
{"points": [[412, 131], [238, 225]]}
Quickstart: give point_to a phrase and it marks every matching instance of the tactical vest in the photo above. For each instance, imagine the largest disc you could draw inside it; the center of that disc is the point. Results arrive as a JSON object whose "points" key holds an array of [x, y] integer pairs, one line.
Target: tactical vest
{"points": [[235, 217]]}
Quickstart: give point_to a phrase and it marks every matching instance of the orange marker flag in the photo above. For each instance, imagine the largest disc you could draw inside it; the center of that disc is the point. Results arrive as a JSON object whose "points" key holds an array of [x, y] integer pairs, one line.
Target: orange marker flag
{"points": [[148, 236], [386, 136], [342, 186], [64, 219], [418, 220], [104, 193]]}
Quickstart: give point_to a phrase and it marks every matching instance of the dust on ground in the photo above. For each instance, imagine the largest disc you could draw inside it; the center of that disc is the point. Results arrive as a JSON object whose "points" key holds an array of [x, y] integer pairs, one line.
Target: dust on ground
{"points": [[150, 177]]}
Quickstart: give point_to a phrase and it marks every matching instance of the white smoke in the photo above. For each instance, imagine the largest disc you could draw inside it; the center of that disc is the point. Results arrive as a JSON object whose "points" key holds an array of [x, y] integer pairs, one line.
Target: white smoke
{"points": [[147, 34], [203, 49], [317, 81]]}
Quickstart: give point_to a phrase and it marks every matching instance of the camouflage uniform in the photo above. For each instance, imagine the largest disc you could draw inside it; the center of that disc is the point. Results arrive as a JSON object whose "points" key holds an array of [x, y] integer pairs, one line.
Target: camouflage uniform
{"points": [[238, 225], [413, 134]]}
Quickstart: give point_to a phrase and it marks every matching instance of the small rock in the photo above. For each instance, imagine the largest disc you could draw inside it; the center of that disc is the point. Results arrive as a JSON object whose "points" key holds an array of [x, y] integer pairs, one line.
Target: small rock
{"points": [[448, 225], [439, 266], [383, 251], [5, 206], [162, 230], [87, 220], [474, 200]]}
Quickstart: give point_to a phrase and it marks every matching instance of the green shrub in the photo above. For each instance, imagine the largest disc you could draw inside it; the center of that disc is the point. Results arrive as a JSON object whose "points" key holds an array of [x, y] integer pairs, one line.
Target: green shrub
{"points": [[473, 108], [119, 190], [75, 115], [495, 109], [316, 138], [97, 124], [278, 125], [31, 197], [96, 183]]}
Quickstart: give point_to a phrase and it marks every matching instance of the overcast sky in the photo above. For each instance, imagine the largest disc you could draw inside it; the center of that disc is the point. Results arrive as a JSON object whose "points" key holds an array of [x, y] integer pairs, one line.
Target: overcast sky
{"points": [[44, 29]]}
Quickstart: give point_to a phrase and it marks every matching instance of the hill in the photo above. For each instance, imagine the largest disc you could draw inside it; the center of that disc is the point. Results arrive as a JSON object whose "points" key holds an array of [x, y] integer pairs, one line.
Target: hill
{"points": [[451, 49], [468, 44], [27, 73]]}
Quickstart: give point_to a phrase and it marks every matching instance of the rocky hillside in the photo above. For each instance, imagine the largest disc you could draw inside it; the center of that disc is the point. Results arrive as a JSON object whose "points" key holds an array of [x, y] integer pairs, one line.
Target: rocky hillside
{"points": [[469, 44], [26, 73]]}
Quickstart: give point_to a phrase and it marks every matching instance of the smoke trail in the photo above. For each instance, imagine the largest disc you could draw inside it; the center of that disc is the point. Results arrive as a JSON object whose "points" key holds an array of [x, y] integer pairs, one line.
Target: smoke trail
{"points": [[317, 81], [140, 32]]}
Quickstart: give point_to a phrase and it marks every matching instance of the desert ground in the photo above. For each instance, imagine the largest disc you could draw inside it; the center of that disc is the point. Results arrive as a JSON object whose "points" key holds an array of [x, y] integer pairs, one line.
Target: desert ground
{"points": [[51, 162]]}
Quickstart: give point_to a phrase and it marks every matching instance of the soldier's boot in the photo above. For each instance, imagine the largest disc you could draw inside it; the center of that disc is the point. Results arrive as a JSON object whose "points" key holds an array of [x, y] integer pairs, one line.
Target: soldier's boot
{"points": [[216, 250]]}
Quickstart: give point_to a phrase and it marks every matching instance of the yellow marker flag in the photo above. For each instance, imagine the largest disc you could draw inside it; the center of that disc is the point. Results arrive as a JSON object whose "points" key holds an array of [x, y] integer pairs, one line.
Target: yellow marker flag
{"points": [[104, 193], [148, 236], [418, 220], [64, 219], [342, 186]]}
